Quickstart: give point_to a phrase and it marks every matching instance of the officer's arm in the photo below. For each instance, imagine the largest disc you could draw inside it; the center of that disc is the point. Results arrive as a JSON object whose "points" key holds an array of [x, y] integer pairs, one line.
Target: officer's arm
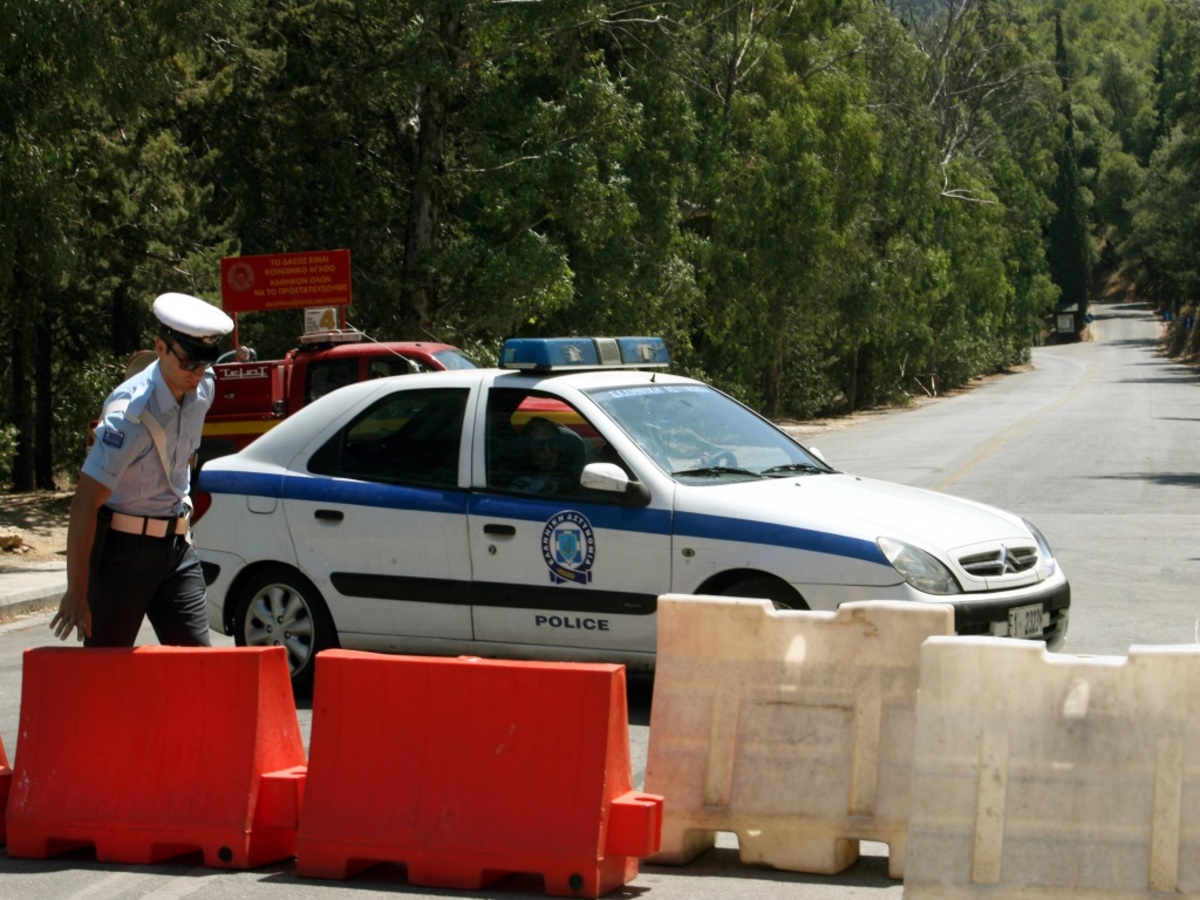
{"points": [[73, 611]]}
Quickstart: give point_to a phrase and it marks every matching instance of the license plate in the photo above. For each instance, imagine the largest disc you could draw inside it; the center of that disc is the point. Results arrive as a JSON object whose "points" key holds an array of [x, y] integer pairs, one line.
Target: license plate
{"points": [[1025, 621]]}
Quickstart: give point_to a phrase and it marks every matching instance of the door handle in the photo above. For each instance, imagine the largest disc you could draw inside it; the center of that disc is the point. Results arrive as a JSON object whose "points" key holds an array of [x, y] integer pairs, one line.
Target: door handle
{"points": [[329, 515], [504, 530]]}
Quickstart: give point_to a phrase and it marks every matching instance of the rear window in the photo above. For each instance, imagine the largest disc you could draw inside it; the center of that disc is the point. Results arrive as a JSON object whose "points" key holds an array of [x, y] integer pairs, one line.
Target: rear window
{"points": [[408, 437]]}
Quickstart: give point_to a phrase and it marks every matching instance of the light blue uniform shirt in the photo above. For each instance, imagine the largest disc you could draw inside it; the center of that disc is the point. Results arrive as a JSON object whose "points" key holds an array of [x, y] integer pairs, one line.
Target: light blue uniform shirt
{"points": [[124, 458]]}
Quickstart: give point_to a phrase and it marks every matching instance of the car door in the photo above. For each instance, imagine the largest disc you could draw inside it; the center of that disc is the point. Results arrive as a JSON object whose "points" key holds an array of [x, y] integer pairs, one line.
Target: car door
{"points": [[554, 563], [380, 526]]}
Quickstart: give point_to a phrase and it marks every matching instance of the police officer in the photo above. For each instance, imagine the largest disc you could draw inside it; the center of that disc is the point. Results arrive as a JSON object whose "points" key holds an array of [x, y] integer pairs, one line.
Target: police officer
{"points": [[129, 549]]}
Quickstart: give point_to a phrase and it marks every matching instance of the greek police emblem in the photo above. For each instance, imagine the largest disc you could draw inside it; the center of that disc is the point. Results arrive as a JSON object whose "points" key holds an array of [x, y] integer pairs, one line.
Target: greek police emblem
{"points": [[569, 547]]}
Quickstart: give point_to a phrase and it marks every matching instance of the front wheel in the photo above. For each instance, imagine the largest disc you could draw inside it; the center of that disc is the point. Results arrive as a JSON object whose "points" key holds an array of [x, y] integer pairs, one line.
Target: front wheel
{"points": [[766, 587], [279, 607]]}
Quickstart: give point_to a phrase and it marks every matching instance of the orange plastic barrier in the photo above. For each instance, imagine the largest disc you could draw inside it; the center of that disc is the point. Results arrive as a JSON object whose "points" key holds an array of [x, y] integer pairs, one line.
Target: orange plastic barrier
{"points": [[468, 770], [155, 752], [5, 781]]}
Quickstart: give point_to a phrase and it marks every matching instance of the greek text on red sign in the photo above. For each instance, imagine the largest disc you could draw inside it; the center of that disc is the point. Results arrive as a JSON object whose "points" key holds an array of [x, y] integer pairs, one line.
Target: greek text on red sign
{"points": [[285, 281]]}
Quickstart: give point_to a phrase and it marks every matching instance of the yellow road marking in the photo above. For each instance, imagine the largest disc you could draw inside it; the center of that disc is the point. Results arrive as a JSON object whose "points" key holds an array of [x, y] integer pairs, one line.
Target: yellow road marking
{"points": [[1024, 425]]}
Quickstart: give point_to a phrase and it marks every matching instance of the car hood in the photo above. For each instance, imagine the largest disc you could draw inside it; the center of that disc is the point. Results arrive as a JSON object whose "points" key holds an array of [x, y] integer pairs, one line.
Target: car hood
{"points": [[859, 508]]}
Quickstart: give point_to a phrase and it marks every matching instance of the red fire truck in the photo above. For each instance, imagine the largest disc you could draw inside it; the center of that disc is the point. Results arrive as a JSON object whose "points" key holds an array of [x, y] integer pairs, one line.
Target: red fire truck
{"points": [[252, 397]]}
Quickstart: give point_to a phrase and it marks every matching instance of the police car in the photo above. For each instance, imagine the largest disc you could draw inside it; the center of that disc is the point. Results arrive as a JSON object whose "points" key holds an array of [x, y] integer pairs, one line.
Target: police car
{"points": [[540, 508]]}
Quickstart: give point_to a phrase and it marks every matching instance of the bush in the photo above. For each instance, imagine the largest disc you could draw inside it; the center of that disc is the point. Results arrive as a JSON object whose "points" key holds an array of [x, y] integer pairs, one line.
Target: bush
{"points": [[8, 452], [79, 396]]}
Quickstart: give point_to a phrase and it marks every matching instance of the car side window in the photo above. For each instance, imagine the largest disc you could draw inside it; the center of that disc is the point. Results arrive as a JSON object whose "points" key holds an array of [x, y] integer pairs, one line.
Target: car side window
{"points": [[408, 437], [387, 366], [324, 377], [538, 445]]}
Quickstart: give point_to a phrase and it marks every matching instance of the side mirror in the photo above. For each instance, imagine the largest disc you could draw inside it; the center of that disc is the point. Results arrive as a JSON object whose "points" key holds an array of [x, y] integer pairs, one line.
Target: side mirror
{"points": [[612, 479], [818, 454]]}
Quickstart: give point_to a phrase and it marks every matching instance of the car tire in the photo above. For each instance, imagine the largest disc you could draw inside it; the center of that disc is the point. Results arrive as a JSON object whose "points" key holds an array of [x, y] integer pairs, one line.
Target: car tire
{"points": [[765, 587], [280, 607]]}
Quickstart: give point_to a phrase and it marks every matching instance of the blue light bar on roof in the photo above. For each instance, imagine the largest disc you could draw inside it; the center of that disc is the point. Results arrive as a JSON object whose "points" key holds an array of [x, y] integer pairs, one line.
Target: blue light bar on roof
{"points": [[559, 354]]}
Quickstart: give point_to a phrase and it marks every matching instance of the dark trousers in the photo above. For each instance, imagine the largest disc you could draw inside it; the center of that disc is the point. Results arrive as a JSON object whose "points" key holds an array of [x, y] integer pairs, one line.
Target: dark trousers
{"points": [[144, 577]]}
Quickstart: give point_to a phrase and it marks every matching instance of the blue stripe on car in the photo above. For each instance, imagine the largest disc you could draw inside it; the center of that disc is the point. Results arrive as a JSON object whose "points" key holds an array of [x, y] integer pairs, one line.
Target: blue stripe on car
{"points": [[723, 528], [333, 490], [601, 515]]}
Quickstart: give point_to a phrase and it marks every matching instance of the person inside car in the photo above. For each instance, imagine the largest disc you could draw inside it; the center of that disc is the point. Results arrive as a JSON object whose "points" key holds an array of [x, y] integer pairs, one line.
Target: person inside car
{"points": [[551, 464]]}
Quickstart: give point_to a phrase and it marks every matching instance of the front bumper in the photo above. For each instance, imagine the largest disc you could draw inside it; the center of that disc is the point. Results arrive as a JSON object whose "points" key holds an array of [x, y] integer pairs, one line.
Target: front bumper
{"points": [[990, 617]]}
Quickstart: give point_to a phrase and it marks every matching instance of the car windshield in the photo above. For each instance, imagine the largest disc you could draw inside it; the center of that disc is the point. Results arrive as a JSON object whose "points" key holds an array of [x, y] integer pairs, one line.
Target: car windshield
{"points": [[453, 359], [701, 436]]}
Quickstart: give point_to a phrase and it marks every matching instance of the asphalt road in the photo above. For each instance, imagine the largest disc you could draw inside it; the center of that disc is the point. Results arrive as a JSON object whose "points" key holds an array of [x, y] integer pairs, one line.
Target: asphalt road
{"points": [[1099, 446], [1096, 444]]}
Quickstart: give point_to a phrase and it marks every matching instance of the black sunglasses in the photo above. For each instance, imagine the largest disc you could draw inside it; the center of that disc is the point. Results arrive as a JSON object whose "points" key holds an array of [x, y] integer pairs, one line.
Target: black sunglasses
{"points": [[186, 362]]}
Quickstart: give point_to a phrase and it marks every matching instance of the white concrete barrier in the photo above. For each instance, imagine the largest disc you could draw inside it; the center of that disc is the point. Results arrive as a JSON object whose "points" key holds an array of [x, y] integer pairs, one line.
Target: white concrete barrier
{"points": [[793, 730], [1052, 775]]}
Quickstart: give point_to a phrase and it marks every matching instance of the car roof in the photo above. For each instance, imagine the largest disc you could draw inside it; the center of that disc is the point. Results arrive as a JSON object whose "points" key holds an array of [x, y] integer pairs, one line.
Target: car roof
{"points": [[298, 429], [378, 348], [588, 379]]}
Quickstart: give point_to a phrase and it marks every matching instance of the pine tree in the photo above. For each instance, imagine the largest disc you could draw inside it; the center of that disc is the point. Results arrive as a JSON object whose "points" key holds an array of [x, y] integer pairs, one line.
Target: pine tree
{"points": [[1068, 240]]}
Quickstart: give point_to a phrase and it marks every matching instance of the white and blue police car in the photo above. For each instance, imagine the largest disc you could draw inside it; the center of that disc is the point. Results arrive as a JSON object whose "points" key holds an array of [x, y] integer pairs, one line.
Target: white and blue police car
{"points": [[540, 508]]}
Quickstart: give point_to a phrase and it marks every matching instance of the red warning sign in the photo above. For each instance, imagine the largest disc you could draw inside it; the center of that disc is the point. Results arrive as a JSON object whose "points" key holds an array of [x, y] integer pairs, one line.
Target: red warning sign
{"points": [[285, 281]]}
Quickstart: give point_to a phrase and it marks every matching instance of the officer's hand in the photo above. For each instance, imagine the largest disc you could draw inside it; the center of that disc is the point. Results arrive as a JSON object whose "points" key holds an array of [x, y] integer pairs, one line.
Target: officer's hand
{"points": [[72, 614]]}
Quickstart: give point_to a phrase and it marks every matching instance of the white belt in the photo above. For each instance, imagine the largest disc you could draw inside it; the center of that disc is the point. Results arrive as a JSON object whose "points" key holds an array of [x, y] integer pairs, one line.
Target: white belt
{"points": [[148, 526]]}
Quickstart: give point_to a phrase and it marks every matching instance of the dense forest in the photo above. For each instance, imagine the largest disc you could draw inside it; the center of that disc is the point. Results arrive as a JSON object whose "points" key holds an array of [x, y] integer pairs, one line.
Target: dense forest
{"points": [[823, 206]]}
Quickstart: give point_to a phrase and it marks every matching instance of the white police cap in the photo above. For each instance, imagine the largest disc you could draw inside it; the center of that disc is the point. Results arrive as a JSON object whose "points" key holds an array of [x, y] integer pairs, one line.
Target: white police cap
{"points": [[195, 324]]}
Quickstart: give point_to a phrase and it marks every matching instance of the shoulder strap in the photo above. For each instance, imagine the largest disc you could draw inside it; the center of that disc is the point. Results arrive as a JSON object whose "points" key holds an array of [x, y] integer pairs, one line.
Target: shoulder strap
{"points": [[117, 408], [160, 440], [152, 426]]}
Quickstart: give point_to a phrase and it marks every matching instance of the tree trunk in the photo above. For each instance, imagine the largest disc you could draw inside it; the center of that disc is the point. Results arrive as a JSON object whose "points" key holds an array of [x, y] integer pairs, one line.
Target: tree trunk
{"points": [[852, 382], [123, 328], [43, 458], [22, 369], [420, 240], [773, 388]]}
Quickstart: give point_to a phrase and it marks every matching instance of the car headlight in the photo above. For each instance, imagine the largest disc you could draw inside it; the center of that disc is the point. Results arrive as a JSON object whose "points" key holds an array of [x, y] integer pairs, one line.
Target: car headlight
{"points": [[920, 569], [1044, 553]]}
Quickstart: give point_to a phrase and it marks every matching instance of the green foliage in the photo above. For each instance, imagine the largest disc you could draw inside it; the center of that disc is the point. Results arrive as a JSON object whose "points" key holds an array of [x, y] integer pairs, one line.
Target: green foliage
{"points": [[96, 203], [79, 395], [1166, 224], [1158, 252], [1107, 118], [8, 452], [822, 206]]}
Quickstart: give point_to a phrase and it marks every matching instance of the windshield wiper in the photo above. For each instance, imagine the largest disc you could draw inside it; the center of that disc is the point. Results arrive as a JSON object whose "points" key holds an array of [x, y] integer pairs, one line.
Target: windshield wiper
{"points": [[704, 471], [794, 467]]}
